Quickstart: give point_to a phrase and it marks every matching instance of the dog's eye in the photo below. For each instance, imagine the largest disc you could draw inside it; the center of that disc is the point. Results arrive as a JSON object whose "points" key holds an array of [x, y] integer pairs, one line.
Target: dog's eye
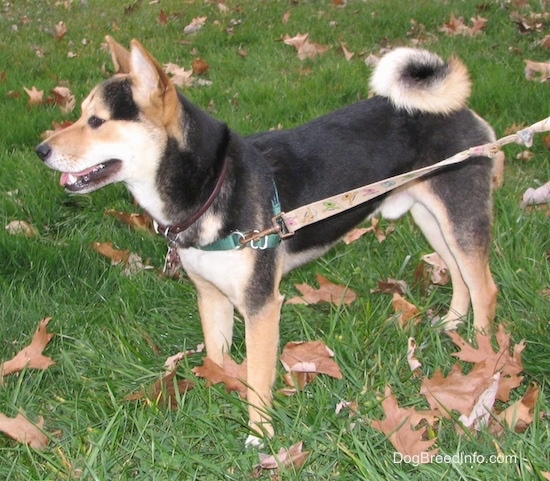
{"points": [[95, 122]]}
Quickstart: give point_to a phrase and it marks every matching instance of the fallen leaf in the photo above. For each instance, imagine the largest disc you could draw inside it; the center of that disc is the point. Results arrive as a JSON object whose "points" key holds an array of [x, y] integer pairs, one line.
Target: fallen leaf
{"points": [[137, 221], [36, 97], [414, 363], [60, 30], [401, 427], [439, 273], [178, 75], [23, 431], [391, 286], [233, 375], [199, 66], [517, 416], [16, 227], [310, 357], [456, 26], [500, 361], [304, 47], [293, 457], [347, 54], [64, 98], [406, 310], [537, 71], [116, 256], [327, 292], [31, 356], [481, 412], [195, 25], [540, 195]]}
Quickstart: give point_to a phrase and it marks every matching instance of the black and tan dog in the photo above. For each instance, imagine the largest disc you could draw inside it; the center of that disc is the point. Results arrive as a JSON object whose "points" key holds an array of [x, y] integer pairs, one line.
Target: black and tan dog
{"points": [[203, 182]]}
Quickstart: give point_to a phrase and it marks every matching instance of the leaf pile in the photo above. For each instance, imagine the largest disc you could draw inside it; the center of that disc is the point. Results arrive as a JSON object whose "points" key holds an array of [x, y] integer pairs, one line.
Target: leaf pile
{"points": [[469, 400]]}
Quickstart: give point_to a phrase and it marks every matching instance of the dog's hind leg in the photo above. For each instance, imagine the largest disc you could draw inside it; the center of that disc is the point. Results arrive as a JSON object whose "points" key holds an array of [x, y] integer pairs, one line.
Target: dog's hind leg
{"points": [[462, 241], [460, 300]]}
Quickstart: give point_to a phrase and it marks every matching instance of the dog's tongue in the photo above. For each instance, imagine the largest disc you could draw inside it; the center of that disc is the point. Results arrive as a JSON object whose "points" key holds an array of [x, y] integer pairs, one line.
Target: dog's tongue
{"points": [[72, 178]]}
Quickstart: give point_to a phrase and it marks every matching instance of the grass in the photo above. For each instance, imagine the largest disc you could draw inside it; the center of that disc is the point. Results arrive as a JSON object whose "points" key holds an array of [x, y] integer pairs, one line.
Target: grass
{"points": [[107, 323]]}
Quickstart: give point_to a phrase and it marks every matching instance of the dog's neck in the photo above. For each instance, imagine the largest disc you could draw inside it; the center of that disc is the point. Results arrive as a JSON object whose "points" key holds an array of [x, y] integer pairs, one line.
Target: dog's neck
{"points": [[171, 232]]}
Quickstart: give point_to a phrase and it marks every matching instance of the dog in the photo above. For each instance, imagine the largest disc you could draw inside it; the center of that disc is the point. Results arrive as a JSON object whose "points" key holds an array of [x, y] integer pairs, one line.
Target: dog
{"points": [[205, 184]]}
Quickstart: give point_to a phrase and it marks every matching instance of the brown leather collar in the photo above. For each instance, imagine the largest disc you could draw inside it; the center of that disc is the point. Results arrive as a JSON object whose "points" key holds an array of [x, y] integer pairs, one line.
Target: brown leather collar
{"points": [[171, 231]]}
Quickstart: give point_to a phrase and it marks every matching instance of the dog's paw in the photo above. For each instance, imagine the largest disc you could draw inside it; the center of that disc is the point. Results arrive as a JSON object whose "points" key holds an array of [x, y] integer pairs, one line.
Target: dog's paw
{"points": [[254, 442]]}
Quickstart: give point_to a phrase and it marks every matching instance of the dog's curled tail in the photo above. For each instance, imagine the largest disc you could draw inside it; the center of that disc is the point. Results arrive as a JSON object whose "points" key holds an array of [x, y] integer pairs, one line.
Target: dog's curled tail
{"points": [[419, 80]]}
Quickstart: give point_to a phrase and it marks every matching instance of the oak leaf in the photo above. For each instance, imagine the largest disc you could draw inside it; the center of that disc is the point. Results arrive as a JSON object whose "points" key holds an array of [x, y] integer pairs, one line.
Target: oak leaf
{"points": [[439, 273], [21, 227], [293, 457], [456, 391], [456, 26], [231, 374], [518, 415], [406, 310], [537, 71], [31, 357], [22, 430], [510, 366], [401, 427], [327, 292], [311, 357], [36, 97], [305, 48], [137, 221]]}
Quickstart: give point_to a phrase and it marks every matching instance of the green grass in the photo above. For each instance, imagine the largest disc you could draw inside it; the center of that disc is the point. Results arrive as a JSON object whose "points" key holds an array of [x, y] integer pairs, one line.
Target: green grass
{"points": [[105, 322]]}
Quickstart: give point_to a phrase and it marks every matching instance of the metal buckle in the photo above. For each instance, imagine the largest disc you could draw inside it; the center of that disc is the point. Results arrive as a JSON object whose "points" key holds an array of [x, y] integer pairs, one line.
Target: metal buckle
{"points": [[280, 227]]}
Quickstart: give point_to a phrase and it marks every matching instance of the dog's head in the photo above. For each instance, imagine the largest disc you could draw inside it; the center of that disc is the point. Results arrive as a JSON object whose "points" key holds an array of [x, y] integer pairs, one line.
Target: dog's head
{"points": [[124, 127]]}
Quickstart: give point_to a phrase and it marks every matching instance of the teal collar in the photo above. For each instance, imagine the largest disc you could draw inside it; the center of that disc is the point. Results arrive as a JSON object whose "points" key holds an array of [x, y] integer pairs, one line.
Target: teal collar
{"points": [[234, 240]]}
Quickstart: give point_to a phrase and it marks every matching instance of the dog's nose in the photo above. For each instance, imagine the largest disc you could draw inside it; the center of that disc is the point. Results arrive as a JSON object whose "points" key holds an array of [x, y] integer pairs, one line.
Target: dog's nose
{"points": [[43, 151]]}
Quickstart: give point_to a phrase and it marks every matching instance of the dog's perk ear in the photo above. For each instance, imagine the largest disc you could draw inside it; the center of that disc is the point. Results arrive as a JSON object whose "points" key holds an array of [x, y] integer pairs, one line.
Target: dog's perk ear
{"points": [[120, 56], [153, 87]]}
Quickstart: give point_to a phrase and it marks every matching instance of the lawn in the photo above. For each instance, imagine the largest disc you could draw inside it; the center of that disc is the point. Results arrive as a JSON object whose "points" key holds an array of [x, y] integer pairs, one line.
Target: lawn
{"points": [[113, 332]]}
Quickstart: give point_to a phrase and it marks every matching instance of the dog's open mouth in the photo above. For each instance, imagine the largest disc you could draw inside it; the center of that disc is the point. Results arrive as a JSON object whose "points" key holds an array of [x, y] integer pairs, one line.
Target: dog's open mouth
{"points": [[91, 178]]}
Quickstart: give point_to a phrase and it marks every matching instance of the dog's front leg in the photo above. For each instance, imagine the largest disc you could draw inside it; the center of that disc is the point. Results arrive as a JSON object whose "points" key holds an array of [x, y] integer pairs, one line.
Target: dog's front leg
{"points": [[262, 344], [216, 313]]}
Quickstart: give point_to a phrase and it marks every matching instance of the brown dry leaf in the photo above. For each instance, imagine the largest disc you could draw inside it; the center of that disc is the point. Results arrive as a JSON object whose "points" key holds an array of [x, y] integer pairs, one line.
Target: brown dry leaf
{"points": [[327, 292], [406, 310], [23, 431], [16, 227], [537, 71], [116, 256], [64, 98], [439, 273], [456, 391], [310, 357], [60, 30], [137, 221], [178, 75], [401, 427], [199, 66], [456, 26], [509, 366], [195, 25], [347, 54], [481, 412], [31, 356], [293, 457], [391, 286], [233, 375], [380, 234], [36, 97], [414, 363], [163, 391], [304, 47], [517, 416]]}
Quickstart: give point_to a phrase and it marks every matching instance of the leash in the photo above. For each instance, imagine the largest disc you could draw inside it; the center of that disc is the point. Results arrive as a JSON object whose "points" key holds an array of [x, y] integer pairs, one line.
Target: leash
{"points": [[285, 224]]}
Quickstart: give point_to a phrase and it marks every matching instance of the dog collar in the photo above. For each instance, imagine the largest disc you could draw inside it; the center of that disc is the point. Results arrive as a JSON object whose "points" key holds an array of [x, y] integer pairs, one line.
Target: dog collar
{"points": [[171, 232], [237, 239]]}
